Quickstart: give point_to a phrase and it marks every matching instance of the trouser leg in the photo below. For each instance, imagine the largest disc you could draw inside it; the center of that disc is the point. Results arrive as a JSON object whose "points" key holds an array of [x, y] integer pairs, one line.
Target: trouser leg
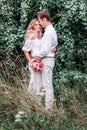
{"points": [[47, 81]]}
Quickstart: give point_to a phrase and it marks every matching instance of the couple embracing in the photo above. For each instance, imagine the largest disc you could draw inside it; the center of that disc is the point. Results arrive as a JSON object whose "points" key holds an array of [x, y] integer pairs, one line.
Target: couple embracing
{"points": [[41, 48]]}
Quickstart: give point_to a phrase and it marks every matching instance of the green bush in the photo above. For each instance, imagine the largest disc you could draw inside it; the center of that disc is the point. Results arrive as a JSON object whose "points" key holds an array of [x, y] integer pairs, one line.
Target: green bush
{"points": [[70, 72]]}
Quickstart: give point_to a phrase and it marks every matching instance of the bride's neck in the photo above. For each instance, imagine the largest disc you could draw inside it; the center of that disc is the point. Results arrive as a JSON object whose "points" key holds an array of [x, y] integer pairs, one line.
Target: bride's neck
{"points": [[37, 35]]}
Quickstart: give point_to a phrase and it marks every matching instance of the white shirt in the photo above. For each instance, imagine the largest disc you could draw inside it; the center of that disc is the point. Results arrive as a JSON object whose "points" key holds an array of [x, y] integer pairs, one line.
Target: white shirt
{"points": [[48, 41]]}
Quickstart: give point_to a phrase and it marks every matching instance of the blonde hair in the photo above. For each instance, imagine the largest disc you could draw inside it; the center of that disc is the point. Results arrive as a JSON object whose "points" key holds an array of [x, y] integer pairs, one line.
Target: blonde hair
{"points": [[30, 28]]}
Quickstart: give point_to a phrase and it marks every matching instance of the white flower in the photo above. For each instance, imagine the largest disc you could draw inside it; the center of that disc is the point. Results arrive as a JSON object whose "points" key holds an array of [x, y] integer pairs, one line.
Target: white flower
{"points": [[6, 92], [18, 116], [21, 112], [18, 120]]}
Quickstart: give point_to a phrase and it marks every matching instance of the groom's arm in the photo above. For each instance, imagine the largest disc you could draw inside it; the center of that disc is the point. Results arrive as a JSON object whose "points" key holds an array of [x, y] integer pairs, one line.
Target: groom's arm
{"points": [[49, 41], [45, 48]]}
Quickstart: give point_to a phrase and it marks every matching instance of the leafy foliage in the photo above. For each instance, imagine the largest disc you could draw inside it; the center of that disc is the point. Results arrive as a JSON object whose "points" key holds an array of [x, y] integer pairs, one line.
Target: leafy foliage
{"points": [[70, 73]]}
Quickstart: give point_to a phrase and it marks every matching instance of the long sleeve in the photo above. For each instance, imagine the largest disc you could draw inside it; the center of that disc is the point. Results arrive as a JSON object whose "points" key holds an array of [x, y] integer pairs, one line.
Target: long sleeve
{"points": [[45, 47], [49, 41]]}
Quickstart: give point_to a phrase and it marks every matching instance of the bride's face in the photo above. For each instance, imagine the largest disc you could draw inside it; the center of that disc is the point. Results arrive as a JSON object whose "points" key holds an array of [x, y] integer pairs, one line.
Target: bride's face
{"points": [[37, 26]]}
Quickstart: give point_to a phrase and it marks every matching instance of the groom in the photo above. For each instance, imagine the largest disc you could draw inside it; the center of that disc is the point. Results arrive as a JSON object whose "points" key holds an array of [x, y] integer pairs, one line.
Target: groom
{"points": [[48, 42]]}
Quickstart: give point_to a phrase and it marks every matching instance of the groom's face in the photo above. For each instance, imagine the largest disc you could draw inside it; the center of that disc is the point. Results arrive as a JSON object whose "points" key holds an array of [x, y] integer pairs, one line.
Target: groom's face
{"points": [[42, 22]]}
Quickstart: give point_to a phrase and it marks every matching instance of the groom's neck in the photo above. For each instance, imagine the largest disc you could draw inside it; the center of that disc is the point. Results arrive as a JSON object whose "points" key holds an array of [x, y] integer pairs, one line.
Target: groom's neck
{"points": [[47, 24]]}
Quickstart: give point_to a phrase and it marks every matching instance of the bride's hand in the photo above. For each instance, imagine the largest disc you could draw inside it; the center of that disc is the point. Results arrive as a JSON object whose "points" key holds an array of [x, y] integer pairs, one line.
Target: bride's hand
{"points": [[30, 53], [30, 61]]}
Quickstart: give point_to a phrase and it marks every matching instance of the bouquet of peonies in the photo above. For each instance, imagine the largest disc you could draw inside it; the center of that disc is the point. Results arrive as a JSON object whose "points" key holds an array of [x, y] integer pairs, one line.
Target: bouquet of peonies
{"points": [[36, 65]]}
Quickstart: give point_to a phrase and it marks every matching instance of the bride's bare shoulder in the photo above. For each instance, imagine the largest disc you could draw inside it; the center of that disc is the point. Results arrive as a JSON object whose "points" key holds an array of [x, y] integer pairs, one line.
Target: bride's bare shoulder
{"points": [[30, 36]]}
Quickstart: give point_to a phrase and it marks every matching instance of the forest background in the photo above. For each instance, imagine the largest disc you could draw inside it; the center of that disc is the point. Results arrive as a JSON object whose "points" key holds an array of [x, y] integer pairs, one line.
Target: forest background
{"points": [[69, 18]]}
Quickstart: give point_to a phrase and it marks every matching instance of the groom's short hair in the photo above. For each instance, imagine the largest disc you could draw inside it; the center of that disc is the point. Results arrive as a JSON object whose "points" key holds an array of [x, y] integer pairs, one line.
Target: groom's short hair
{"points": [[44, 14]]}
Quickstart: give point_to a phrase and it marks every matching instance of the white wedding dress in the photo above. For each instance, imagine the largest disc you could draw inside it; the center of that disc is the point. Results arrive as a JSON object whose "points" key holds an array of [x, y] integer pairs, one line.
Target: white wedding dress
{"points": [[35, 82]]}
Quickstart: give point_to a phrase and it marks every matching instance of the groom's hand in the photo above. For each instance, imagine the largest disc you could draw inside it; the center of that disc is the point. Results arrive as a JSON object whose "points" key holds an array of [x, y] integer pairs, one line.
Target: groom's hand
{"points": [[53, 50]]}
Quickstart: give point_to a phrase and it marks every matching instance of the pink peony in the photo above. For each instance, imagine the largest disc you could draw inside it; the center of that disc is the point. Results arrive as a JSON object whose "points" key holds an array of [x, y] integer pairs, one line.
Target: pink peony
{"points": [[37, 65]]}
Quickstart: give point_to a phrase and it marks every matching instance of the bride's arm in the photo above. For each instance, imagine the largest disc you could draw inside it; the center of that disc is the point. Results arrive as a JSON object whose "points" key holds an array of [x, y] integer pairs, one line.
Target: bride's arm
{"points": [[28, 56]]}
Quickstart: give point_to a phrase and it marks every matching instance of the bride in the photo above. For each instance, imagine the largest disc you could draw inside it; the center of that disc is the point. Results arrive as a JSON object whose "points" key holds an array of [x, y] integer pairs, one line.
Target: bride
{"points": [[31, 46]]}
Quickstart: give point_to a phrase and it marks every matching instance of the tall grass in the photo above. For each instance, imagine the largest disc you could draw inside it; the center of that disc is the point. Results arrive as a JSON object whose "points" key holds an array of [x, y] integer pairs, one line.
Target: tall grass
{"points": [[69, 112]]}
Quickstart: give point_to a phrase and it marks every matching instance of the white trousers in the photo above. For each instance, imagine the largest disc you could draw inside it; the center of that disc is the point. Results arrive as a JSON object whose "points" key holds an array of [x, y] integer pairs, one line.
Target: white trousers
{"points": [[47, 74]]}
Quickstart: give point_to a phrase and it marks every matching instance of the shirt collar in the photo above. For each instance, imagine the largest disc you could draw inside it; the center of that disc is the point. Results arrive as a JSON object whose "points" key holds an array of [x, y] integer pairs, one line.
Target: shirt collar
{"points": [[48, 27]]}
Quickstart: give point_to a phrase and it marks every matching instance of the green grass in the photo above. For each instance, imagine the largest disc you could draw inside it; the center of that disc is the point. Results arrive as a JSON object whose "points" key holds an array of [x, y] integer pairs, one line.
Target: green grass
{"points": [[69, 112]]}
